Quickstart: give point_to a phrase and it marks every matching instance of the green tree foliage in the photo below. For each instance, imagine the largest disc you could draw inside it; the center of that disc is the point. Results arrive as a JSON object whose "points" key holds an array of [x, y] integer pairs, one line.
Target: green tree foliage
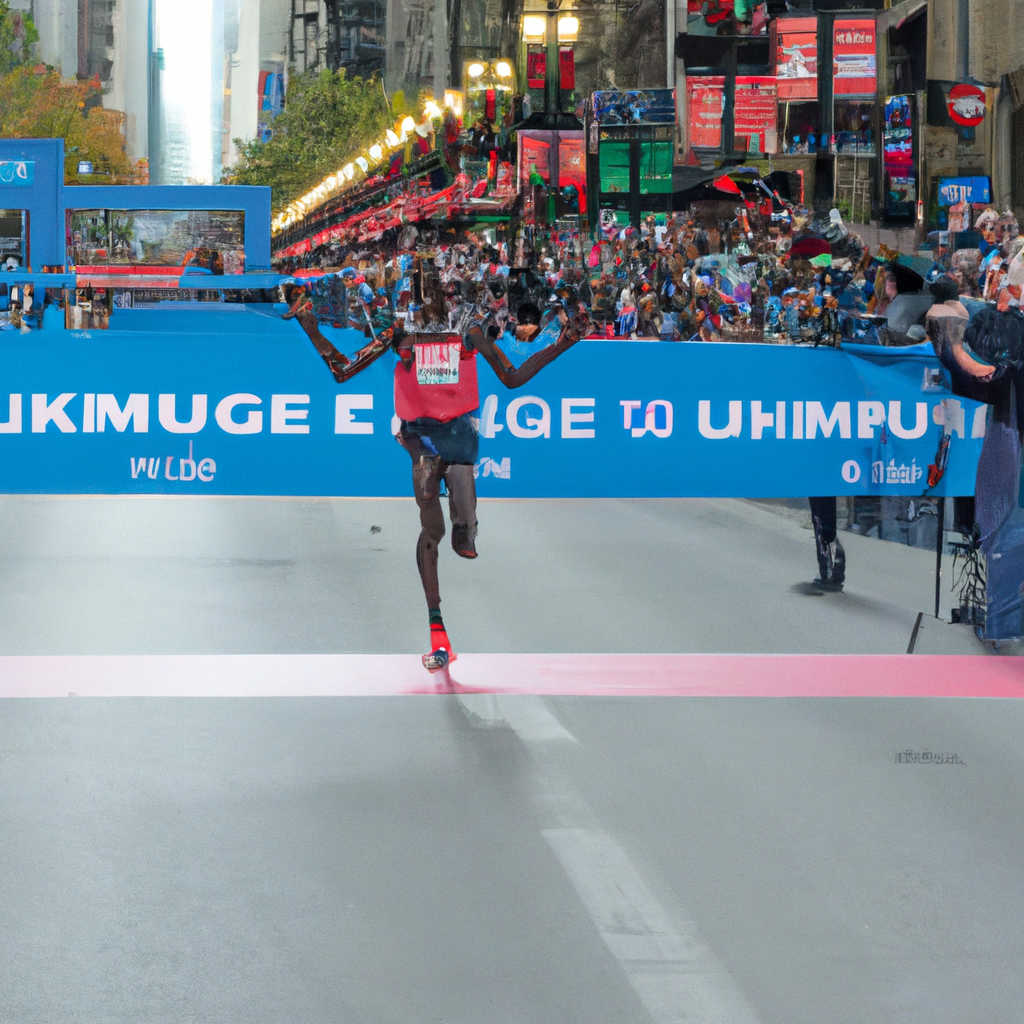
{"points": [[17, 34], [36, 104], [328, 119]]}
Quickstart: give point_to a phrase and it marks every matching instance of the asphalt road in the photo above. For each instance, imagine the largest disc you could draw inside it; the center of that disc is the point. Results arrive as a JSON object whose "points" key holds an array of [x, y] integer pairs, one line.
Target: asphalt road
{"points": [[224, 576], [479, 859]]}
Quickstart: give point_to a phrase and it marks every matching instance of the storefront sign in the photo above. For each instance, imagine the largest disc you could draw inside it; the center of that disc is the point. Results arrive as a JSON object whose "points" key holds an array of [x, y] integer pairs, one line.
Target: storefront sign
{"points": [[796, 57], [223, 406], [967, 105], [853, 58], [959, 190], [898, 157], [566, 68]]}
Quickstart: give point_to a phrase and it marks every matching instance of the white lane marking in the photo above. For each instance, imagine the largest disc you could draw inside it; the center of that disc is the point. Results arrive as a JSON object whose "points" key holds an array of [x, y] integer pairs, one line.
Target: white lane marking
{"points": [[529, 716], [676, 976]]}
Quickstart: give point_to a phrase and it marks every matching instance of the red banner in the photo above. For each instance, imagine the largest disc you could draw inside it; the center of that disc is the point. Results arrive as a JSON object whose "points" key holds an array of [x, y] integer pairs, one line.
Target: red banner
{"points": [[853, 59], [705, 98], [796, 58], [566, 68], [755, 117], [757, 114]]}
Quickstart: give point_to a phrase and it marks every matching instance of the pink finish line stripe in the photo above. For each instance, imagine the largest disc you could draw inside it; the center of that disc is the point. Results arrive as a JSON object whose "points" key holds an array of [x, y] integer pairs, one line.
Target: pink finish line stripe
{"points": [[648, 675]]}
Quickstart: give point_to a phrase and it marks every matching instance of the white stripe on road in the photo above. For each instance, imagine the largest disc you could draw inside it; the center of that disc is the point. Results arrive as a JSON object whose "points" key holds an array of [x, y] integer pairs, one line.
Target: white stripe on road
{"points": [[529, 716], [676, 976]]}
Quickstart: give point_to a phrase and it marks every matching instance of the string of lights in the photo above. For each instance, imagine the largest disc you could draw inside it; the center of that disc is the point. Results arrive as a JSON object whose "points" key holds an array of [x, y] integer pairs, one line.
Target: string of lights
{"points": [[368, 162]]}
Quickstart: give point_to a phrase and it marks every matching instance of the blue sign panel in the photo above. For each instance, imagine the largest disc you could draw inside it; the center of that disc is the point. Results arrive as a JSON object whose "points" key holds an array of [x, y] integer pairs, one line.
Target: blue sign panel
{"points": [[17, 172], [958, 190], [240, 403]]}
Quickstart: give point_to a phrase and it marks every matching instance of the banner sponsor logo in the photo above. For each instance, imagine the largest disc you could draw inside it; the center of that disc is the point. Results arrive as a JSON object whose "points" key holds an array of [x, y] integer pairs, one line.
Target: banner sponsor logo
{"points": [[17, 172]]}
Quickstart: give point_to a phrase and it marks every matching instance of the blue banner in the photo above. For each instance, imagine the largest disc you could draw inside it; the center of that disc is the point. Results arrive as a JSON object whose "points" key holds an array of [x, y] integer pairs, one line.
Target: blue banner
{"points": [[237, 401]]}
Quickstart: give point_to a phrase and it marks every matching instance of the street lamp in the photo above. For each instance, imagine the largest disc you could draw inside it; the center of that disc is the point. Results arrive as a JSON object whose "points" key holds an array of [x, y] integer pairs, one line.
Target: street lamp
{"points": [[534, 28]]}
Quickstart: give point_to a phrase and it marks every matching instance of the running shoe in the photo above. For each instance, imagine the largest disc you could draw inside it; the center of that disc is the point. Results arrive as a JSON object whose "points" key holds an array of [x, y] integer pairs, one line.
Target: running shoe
{"points": [[464, 540], [437, 660]]}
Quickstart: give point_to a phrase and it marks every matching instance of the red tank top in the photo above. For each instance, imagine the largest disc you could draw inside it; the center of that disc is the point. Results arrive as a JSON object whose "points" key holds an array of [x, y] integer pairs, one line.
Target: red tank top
{"points": [[441, 382]]}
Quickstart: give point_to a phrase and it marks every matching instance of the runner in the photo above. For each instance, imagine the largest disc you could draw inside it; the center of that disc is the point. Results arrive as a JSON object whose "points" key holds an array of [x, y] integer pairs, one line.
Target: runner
{"points": [[436, 397]]}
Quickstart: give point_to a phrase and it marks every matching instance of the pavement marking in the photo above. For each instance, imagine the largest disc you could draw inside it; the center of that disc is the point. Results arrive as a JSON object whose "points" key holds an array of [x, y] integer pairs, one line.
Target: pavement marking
{"points": [[352, 675], [529, 716], [676, 976]]}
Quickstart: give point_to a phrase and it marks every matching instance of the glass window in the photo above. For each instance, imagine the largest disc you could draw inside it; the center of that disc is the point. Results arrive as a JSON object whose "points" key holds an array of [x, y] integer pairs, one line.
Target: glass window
{"points": [[13, 236], [214, 239], [801, 128]]}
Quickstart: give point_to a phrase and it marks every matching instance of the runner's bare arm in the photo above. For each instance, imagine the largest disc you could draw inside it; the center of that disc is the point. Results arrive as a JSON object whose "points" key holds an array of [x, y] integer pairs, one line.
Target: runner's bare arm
{"points": [[516, 377], [363, 358]]}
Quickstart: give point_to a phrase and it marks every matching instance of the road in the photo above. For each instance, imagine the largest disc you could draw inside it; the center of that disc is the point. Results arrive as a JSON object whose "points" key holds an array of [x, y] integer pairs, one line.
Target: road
{"points": [[481, 859], [263, 576]]}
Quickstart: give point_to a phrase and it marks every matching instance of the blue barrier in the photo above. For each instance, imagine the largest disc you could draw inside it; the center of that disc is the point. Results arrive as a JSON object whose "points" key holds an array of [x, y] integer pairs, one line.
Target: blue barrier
{"points": [[236, 401]]}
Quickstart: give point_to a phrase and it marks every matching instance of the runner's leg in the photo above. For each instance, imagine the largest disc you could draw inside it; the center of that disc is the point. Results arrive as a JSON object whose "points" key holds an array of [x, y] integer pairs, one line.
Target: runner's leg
{"points": [[831, 557], [462, 508]]}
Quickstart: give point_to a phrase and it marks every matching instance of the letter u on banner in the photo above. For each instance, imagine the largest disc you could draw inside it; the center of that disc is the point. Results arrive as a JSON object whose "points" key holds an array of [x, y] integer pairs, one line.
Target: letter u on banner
{"points": [[168, 420], [732, 429], [896, 423]]}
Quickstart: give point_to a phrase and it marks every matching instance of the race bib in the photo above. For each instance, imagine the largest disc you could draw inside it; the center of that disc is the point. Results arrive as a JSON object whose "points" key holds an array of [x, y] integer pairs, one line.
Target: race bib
{"points": [[437, 363]]}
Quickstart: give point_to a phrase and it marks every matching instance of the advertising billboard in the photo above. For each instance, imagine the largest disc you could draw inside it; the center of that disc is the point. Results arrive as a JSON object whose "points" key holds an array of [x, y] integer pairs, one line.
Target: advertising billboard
{"points": [[853, 58], [796, 58]]}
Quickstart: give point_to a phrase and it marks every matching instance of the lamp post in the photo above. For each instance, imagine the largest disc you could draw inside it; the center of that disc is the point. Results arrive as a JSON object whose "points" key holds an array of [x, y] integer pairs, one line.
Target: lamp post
{"points": [[552, 30]]}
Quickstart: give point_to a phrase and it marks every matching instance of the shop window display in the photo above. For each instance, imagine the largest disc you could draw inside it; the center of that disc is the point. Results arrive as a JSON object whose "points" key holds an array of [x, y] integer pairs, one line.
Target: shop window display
{"points": [[802, 128]]}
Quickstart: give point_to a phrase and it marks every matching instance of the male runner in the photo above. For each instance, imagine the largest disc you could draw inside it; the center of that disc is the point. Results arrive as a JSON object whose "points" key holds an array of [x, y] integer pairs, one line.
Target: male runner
{"points": [[436, 394]]}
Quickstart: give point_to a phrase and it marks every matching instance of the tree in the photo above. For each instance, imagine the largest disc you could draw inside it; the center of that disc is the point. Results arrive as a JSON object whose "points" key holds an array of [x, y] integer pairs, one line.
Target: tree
{"points": [[17, 34], [328, 120], [36, 104]]}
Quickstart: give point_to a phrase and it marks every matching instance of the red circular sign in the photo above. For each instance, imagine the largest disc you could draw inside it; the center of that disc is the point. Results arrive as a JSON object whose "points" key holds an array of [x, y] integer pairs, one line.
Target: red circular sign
{"points": [[967, 105]]}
